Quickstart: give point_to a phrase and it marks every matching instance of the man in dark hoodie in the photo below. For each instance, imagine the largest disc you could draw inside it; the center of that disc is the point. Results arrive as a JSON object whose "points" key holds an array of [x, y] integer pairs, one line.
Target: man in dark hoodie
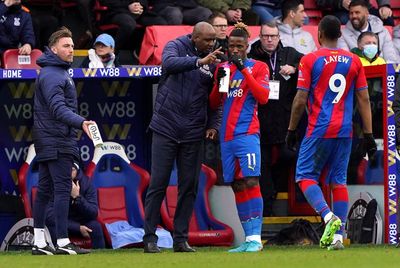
{"points": [[274, 116], [179, 125], [55, 125], [16, 30]]}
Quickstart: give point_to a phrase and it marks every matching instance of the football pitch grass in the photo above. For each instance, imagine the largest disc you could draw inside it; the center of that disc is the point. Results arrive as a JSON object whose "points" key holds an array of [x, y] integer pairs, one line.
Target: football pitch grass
{"points": [[271, 256]]}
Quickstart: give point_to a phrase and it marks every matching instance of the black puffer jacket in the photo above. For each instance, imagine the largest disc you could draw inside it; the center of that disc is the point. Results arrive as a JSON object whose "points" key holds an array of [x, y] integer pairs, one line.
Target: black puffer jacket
{"points": [[275, 115], [55, 108]]}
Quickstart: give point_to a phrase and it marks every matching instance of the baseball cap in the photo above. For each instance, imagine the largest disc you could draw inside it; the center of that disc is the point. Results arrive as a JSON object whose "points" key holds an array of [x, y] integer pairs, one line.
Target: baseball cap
{"points": [[105, 39]]}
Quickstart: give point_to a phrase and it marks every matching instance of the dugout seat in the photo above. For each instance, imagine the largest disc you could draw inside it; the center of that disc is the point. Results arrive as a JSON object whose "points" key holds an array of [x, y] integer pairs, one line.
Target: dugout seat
{"points": [[12, 60], [204, 229], [28, 177], [371, 171], [120, 186]]}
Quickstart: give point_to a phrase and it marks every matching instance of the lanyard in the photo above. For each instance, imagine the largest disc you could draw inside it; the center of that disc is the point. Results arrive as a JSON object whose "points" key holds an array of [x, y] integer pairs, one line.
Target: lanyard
{"points": [[273, 64]]}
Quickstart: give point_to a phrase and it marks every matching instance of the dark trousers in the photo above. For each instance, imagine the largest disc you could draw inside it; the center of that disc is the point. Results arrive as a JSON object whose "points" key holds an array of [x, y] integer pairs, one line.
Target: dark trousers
{"points": [[165, 152], [189, 16], [96, 235], [276, 161], [54, 182]]}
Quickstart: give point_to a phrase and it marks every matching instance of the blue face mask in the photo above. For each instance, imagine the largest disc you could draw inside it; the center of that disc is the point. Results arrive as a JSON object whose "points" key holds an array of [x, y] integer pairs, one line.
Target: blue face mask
{"points": [[370, 51]]}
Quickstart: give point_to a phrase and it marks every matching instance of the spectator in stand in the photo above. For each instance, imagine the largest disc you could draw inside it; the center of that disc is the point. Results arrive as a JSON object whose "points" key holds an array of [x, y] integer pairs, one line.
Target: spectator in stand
{"points": [[368, 49], [361, 21], [396, 38], [267, 10], [220, 23], [126, 14], [234, 10], [274, 116], [291, 33], [82, 211], [177, 12], [85, 8], [45, 20], [102, 55], [16, 30], [340, 9]]}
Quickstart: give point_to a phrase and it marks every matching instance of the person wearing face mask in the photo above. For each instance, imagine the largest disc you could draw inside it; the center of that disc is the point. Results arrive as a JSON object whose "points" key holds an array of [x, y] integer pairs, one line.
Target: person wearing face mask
{"points": [[367, 49], [16, 30], [102, 55]]}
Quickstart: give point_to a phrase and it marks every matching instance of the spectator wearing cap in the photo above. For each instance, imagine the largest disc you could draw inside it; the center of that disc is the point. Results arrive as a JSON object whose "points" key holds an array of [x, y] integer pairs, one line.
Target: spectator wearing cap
{"points": [[102, 55], [82, 210], [16, 30]]}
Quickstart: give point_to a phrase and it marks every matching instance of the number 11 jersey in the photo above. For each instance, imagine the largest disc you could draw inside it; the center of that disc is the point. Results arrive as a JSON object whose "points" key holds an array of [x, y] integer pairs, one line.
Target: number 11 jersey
{"points": [[330, 76]]}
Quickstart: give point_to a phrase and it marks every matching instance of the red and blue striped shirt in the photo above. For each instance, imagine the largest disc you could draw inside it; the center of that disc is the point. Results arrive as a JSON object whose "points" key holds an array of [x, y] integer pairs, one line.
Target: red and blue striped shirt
{"points": [[330, 76], [246, 89]]}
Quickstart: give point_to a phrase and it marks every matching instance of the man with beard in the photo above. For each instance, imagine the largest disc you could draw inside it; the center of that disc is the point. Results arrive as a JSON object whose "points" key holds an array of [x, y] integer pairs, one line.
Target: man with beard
{"points": [[361, 21], [16, 30]]}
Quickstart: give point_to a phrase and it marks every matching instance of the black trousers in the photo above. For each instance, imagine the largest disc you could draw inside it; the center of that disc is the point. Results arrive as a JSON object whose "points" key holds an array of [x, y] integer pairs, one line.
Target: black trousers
{"points": [[54, 183], [165, 152]]}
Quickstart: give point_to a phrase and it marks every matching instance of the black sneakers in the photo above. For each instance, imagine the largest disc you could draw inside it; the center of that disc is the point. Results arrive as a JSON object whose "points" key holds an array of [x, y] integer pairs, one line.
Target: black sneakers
{"points": [[47, 250], [71, 249]]}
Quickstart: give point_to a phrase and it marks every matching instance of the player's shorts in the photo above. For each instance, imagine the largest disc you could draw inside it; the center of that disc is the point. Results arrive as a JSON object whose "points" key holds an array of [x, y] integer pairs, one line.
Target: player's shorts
{"points": [[318, 153], [241, 157]]}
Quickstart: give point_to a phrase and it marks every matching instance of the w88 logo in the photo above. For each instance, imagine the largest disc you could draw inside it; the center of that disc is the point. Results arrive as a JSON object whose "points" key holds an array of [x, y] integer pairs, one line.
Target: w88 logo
{"points": [[235, 93]]}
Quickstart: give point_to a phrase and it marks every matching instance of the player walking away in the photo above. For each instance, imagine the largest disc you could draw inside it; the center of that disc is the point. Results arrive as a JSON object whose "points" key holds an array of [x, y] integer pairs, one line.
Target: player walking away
{"points": [[328, 79], [239, 133]]}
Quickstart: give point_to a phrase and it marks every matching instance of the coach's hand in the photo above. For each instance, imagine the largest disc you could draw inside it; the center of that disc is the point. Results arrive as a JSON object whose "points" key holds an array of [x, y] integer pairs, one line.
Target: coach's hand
{"points": [[291, 140], [85, 127], [235, 59], [369, 145]]}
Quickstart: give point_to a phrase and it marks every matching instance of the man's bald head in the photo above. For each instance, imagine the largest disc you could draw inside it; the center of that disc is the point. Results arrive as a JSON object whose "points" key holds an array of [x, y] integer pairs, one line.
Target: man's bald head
{"points": [[202, 27], [204, 36]]}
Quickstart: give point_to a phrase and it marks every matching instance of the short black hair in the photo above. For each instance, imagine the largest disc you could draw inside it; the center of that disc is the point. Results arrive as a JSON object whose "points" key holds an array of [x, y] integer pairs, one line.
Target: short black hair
{"points": [[290, 5], [329, 26], [362, 3]]}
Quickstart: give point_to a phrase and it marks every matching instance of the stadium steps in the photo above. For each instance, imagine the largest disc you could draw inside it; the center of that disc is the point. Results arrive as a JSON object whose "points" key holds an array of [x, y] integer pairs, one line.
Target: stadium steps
{"points": [[281, 219]]}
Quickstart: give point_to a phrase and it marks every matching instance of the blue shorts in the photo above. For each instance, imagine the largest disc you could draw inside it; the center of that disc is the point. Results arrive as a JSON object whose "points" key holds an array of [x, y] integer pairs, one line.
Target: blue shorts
{"points": [[241, 157], [318, 153]]}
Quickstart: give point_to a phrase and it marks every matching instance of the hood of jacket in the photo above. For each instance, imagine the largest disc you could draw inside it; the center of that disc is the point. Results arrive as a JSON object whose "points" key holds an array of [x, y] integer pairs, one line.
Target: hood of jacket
{"points": [[287, 29], [48, 58]]}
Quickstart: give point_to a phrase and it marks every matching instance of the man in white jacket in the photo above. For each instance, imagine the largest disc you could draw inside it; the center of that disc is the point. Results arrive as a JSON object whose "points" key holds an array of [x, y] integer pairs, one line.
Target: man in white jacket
{"points": [[361, 21], [291, 33]]}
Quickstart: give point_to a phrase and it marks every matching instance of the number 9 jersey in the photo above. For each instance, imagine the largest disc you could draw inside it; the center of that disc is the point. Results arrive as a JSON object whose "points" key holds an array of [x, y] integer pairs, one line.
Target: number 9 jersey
{"points": [[330, 76]]}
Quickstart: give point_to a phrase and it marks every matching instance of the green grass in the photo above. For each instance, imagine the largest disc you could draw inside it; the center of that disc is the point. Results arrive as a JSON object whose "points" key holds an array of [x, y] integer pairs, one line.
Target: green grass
{"points": [[272, 256]]}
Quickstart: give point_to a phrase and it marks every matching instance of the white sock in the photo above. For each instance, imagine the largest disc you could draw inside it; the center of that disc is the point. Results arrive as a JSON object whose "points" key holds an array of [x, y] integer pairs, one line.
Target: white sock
{"points": [[39, 239], [337, 237], [328, 217], [63, 242], [253, 238]]}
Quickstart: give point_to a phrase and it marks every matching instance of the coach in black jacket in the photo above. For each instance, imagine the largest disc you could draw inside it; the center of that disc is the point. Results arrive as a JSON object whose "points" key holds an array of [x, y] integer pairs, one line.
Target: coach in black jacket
{"points": [[275, 115]]}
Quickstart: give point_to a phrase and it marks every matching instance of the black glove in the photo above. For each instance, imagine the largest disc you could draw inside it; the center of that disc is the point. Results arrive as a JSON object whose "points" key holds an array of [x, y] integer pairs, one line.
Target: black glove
{"points": [[235, 59], [291, 140], [220, 73], [369, 145]]}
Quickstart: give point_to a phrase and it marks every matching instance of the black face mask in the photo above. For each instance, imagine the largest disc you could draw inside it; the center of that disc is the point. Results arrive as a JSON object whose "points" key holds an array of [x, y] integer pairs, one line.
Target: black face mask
{"points": [[14, 8]]}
